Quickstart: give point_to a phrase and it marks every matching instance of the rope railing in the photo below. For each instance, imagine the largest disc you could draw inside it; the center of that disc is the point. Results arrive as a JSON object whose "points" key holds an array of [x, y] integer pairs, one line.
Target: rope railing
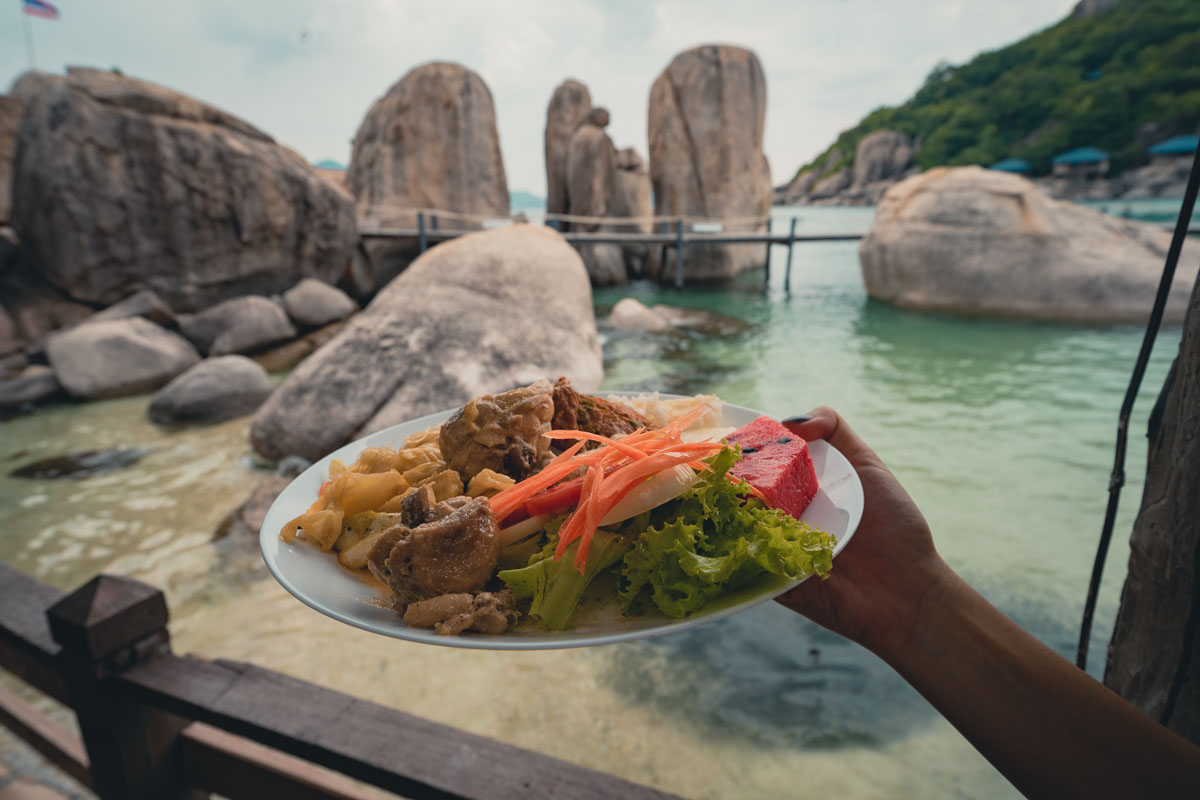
{"points": [[375, 212]]}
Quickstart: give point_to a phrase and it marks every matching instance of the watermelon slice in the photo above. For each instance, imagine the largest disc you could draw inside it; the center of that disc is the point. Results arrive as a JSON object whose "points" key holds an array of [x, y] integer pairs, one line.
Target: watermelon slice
{"points": [[777, 463]]}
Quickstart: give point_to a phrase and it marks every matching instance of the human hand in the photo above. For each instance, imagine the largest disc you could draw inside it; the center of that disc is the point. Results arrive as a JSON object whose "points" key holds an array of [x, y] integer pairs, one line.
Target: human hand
{"points": [[879, 582]]}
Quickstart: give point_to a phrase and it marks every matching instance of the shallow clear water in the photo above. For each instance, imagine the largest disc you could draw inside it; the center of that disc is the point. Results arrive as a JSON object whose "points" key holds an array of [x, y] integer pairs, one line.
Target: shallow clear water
{"points": [[1002, 431]]}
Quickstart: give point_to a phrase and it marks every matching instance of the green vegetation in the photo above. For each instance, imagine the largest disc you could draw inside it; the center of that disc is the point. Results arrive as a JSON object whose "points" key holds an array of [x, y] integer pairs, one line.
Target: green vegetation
{"points": [[1090, 81]]}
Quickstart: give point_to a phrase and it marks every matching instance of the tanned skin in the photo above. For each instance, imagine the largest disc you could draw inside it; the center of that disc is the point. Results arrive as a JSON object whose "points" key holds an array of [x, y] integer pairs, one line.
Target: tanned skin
{"points": [[1047, 726]]}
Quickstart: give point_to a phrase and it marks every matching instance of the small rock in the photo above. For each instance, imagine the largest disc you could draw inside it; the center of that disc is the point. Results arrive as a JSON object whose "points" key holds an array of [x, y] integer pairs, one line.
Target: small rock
{"points": [[140, 304], [700, 319], [214, 390], [81, 465], [117, 357], [35, 384], [311, 303], [291, 466], [245, 521], [241, 325], [631, 314]]}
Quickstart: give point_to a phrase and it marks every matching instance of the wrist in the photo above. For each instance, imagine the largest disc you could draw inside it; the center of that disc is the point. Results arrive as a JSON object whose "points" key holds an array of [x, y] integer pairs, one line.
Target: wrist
{"points": [[917, 610]]}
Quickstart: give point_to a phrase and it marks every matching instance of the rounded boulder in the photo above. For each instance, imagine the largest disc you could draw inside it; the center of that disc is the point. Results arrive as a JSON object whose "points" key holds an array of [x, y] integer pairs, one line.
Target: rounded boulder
{"points": [[972, 240], [312, 303], [117, 357], [214, 390], [476, 315]]}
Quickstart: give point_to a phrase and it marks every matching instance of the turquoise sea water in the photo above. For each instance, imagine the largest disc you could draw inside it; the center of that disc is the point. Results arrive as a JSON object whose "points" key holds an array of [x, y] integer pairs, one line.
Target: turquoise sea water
{"points": [[1002, 431]]}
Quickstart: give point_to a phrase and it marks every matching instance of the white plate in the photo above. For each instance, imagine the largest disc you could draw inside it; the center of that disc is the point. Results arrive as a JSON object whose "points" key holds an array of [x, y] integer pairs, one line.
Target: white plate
{"points": [[316, 578]]}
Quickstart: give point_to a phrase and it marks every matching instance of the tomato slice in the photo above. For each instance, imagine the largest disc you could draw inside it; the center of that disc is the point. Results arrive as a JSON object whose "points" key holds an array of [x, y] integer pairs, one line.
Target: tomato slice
{"points": [[555, 499]]}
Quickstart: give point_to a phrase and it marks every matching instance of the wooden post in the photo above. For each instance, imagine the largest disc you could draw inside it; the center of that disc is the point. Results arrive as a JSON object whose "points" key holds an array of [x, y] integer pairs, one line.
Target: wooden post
{"points": [[105, 627], [787, 275], [421, 231], [768, 256], [679, 253], [433, 222]]}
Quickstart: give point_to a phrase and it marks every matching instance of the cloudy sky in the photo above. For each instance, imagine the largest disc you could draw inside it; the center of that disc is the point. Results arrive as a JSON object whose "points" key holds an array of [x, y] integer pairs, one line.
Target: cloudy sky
{"points": [[306, 71]]}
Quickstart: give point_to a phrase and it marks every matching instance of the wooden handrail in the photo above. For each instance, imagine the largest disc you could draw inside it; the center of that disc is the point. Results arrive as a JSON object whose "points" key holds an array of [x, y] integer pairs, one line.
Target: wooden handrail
{"points": [[180, 716]]}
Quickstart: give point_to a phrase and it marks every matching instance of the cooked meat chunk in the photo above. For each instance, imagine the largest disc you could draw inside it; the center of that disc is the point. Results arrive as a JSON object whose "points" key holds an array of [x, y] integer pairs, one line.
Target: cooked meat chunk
{"points": [[416, 505], [451, 614], [456, 551], [584, 412], [500, 432]]}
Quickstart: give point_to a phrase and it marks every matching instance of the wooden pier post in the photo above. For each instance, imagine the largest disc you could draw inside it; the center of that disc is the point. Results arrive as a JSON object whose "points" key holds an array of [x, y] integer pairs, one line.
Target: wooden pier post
{"points": [[679, 253], [767, 260], [104, 628], [421, 231], [787, 275]]}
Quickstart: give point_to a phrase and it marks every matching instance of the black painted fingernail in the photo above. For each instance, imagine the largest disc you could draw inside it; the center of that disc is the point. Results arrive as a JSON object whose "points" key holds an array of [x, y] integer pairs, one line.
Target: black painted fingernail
{"points": [[799, 419]]}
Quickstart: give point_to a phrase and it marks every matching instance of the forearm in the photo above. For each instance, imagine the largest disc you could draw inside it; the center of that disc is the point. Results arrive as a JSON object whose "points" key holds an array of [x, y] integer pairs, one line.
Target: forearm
{"points": [[1047, 726]]}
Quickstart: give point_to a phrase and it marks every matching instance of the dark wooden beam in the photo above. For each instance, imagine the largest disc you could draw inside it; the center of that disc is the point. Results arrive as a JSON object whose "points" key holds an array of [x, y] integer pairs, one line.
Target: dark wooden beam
{"points": [[237, 768], [26, 647], [384, 747], [59, 745]]}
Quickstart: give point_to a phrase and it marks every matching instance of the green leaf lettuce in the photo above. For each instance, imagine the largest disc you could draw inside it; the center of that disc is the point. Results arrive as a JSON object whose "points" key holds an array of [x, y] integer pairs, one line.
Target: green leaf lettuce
{"points": [[714, 540]]}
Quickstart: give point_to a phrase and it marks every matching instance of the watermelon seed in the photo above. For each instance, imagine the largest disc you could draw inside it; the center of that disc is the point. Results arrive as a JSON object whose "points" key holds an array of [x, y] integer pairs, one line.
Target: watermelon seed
{"points": [[784, 439]]}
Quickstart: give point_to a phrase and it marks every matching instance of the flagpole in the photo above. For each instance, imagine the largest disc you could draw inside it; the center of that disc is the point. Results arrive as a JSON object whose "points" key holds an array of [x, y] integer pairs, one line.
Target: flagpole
{"points": [[28, 41]]}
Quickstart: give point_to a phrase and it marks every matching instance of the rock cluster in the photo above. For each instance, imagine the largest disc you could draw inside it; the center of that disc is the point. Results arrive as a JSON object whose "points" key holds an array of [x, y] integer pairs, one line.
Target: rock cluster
{"points": [[569, 106], [586, 176], [972, 240], [881, 159], [124, 185], [707, 115], [429, 143], [482, 313], [139, 344]]}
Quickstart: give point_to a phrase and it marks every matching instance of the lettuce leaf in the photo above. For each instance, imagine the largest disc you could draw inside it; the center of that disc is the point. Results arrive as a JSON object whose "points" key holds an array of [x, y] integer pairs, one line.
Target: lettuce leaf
{"points": [[555, 587], [715, 539]]}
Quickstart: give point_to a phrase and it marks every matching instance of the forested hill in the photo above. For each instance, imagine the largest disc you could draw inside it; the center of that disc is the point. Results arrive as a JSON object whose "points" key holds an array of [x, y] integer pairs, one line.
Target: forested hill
{"points": [[1120, 79]]}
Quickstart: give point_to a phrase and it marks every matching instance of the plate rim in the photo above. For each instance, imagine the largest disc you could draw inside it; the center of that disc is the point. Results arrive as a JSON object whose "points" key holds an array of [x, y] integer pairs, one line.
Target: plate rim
{"points": [[549, 640]]}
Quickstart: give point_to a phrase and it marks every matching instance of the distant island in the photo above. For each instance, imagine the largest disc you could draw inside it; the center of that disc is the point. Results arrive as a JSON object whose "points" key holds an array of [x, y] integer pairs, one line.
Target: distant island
{"points": [[1115, 77], [525, 201]]}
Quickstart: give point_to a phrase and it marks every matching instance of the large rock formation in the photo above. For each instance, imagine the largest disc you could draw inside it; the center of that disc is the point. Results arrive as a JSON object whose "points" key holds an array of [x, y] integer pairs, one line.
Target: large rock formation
{"points": [[10, 118], [591, 179], [1154, 658], [972, 240], [631, 198], [430, 142], [569, 106], [707, 113], [124, 185], [478, 314], [881, 156]]}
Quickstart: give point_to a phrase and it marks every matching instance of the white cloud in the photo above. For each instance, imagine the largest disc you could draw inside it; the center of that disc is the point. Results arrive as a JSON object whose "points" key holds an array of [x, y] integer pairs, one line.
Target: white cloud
{"points": [[306, 71]]}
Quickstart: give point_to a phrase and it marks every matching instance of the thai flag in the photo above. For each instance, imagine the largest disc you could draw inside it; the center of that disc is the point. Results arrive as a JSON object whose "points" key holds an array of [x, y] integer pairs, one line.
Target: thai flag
{"points": [[39, 8]]}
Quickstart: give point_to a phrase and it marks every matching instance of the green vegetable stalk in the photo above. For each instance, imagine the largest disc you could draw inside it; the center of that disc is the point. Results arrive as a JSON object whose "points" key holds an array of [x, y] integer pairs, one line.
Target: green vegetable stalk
{"points": [[555, 587]]}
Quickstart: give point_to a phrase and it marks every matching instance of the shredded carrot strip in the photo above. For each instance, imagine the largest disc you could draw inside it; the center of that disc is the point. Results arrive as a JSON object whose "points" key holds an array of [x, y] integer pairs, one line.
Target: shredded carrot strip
{"points": [[613, 470], [507, 500], [632, 452]]}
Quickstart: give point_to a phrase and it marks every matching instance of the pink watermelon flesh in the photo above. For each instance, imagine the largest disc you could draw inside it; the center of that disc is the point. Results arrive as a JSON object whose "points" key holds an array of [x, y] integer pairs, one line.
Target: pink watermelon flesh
{"points": [[777, 463]]}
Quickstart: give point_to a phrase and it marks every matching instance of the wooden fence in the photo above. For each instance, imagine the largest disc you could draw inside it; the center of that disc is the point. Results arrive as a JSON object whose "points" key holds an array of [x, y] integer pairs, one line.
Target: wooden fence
{"points": [[158, 725]]}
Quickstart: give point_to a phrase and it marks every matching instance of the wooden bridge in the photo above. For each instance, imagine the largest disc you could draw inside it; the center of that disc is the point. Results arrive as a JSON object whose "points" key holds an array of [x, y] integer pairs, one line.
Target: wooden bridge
{"points": [[156, 725], [429, 226]]}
